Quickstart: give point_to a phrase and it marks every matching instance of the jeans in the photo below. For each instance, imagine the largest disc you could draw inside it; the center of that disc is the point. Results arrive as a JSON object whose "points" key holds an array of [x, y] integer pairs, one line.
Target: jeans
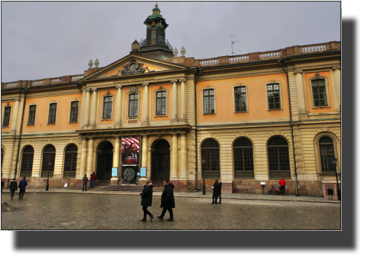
{"points": [[91, 183], [84, 186], [21, 193], [169, 211]]}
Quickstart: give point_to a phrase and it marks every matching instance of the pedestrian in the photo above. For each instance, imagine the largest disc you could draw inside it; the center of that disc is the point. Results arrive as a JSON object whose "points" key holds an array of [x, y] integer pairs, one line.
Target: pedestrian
{"points": [[282, 182], [220, 192], [167, 200], [12, 188], [146, 200], [215, 192], [92, 179], [22, 186], [2, 185], [84, 183]]}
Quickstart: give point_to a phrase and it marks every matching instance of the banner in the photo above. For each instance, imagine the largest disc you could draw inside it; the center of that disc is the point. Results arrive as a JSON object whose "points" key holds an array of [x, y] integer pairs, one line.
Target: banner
{"points": [[130, 150]]}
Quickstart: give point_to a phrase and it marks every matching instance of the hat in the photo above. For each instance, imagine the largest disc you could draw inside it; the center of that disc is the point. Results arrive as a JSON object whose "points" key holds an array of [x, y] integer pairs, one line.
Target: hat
{"points": [[216, 181]]}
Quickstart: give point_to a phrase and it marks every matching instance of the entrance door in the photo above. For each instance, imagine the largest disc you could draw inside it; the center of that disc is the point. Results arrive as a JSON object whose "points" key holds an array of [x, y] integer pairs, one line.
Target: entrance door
{"points": [[161, 161], [104, 163]]}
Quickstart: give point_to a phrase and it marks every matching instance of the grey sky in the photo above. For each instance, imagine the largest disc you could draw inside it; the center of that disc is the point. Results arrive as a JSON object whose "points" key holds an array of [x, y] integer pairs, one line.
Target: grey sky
{"points": [[51, 39]]}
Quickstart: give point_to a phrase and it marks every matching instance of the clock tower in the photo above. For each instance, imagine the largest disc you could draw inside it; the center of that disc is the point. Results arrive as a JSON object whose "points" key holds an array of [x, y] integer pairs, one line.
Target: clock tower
{"points": [[156, 45]]}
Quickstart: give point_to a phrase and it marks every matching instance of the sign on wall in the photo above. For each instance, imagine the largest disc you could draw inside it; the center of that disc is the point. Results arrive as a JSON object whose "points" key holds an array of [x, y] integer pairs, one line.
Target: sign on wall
{"points": [[130, 150]]}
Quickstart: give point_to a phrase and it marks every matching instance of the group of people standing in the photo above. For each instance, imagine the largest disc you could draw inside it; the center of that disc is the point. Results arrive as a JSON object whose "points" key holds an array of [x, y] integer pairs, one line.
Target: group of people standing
{"points": [[217, 191], [13, 188], [85, 179]]}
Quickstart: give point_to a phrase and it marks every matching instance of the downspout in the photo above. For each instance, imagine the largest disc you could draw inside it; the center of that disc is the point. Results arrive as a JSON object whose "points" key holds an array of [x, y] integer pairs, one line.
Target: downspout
{"points": [[19, 138], [199, 73], [292, 130]]}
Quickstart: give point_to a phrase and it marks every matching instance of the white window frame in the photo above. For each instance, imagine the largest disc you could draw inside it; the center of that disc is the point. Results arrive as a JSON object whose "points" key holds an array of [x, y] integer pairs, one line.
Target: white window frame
{"points": [[129, 93], [155, 101], [112, 109], [10, 115], [246, 98], [49, 109], [316, 77], [35, 116], [280, 96], [70, 111], [203, 100]]}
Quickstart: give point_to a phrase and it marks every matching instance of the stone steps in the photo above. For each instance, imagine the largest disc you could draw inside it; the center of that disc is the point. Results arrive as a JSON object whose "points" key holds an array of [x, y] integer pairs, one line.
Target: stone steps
{"points": [[127, 188]]}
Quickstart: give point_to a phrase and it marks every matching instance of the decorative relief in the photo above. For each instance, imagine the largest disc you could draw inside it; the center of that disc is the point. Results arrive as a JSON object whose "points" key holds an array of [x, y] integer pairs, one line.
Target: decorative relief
{"points": [[298, 71], [336, 68], [133, 67], [145, 84], [119, 86], [174, 80], [87, 90], [317, 74], [272, 81]]}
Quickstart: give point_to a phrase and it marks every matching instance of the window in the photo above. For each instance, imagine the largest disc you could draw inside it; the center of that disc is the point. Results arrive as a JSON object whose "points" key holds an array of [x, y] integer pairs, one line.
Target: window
{"points": [[273, 97], [52, 114], [107, 107], [243, 158], [32, 111], [327, 154], [240, 99], [319, 92], [161, 103], [278, 152], [153, 36], [6, 116], [210, 152], [27, 161], [48, 158], [133, 105], [209, 101], [74, 112], [70, 162]]}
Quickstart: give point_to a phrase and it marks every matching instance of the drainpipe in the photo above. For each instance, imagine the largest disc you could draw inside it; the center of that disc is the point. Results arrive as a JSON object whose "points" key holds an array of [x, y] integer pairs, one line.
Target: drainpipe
{"points": [[19, 138], [292, 130], [77, 85], [199, 73]]}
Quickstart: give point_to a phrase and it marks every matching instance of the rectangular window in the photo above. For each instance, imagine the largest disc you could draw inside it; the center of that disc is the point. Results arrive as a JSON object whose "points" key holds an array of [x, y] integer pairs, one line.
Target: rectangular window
{"points": [[6, 116], [240, 99], [107, 107], [74, 111], [274, 97], [319, 93], [153, 36], [209, 101], [52, 114], [32, 111], [161, 103], [133, 105]]}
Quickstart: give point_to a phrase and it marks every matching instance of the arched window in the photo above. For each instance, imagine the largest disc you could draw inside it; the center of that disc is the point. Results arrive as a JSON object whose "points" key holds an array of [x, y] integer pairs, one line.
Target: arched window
{"points": [[327, 154], [70, 161], [48, 163], [27, 161], [210, 152], [243, 158], [279, 164]]}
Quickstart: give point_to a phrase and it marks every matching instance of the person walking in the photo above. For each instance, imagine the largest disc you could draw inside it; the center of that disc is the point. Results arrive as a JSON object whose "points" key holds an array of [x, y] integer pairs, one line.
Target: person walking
{"points": [[146, 200], [84, 183], [2, 186], [22, 186], [282, 182], [167, 200], [92, 179], [220, 192], [12, 188], [215, 192]]}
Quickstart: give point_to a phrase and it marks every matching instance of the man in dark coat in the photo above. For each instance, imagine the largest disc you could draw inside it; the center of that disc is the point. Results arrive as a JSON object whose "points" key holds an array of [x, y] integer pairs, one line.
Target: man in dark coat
{"points": [[167, 200], [22, 185], [220, 192], [215, 192], [84, 183], [12, 188], [2, 186], [146, 200]]}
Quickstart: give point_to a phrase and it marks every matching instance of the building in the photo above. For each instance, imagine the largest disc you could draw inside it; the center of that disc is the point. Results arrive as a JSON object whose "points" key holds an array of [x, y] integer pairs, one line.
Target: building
{"points": [[247, 120]]}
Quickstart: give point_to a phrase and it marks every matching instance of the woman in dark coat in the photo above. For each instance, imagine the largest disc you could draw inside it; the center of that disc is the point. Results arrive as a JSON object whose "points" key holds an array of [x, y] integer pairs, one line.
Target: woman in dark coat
{"points": [[216, 192], [84, 183], [12, 188], [167, 200], [146, 200]]}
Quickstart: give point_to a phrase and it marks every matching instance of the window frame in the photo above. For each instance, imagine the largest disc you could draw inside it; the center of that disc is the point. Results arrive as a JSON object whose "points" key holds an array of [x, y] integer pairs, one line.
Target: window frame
{"points": [[28, 116], [129, 105], [277, 174], [10, 114], [78, 111], [210, 174], [108, 94], [267, 96], [318, 77], [243, 174], [246, 98], [44, 173], [70, 174], [161, 89], [22, 172], [214, 100], [337, 153], [49, 113]]}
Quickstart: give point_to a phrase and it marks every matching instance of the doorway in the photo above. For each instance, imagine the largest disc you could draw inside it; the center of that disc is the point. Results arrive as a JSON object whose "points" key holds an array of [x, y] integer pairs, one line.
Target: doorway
{"points": [[104, 160], [161, 161]]}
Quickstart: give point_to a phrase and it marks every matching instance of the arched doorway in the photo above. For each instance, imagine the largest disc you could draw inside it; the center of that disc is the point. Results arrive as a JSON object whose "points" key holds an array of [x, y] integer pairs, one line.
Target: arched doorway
{"points": [[160, 161], [104, 160]]}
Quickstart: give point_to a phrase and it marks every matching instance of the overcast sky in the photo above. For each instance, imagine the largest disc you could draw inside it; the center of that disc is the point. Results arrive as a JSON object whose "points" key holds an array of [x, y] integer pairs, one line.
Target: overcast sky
{"points": [[52, 39]]}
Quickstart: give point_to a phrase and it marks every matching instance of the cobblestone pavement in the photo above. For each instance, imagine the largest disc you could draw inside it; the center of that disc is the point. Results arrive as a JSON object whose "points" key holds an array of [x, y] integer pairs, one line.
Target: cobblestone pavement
{"points": [[104, 211]]}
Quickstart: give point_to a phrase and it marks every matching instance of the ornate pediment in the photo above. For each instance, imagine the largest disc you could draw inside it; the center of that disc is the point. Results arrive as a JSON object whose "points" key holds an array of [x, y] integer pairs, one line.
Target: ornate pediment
{"points": [[133, 67]]}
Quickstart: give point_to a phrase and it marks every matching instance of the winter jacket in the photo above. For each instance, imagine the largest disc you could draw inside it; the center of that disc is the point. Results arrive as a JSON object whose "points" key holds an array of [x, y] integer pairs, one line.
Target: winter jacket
{"points": [[22, 184], [92, 176], [282, 182], [84, 179], [220, 188], [147, 195], [216, 190], [13, 185], [167, 200]]}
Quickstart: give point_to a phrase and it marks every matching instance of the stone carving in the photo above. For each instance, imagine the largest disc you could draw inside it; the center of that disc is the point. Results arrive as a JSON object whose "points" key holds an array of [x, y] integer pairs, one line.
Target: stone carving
{"points": [[133, 68], [182, 51]]}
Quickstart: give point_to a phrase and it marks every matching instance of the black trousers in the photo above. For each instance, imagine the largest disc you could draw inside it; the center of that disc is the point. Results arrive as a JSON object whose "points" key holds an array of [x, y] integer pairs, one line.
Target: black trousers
{"points": [[169, 211], [214, 198], [21, 193], [84, 187], [12, 193], [146, 211], [282, 189], [220, 199]]}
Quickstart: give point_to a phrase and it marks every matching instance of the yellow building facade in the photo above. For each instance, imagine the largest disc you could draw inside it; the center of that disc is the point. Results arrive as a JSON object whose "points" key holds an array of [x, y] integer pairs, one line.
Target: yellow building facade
{"points": [[247, 120]]}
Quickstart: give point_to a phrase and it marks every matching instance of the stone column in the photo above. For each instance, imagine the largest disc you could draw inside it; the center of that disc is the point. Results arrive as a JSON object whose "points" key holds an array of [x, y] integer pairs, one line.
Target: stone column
{"points": [[14, 117], [183, 156], [89, 165], [337, 94], [93, 108], [145, 104], [144, 151], [148, 169], [115, 160], [300, 90], [174, 158], [83, 158], [174, 115], [87, 107], [183, 100], [118, 107]]}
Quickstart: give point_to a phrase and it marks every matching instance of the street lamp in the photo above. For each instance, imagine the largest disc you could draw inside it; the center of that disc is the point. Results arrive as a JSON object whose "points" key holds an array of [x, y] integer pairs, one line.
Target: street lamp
{"points": [[203, 161], [335, 161], [48, 175]]}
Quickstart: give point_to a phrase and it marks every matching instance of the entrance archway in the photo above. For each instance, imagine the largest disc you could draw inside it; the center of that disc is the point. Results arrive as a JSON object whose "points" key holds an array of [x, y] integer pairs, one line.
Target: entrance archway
{"points": [[160, 161], [104, 160]]}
